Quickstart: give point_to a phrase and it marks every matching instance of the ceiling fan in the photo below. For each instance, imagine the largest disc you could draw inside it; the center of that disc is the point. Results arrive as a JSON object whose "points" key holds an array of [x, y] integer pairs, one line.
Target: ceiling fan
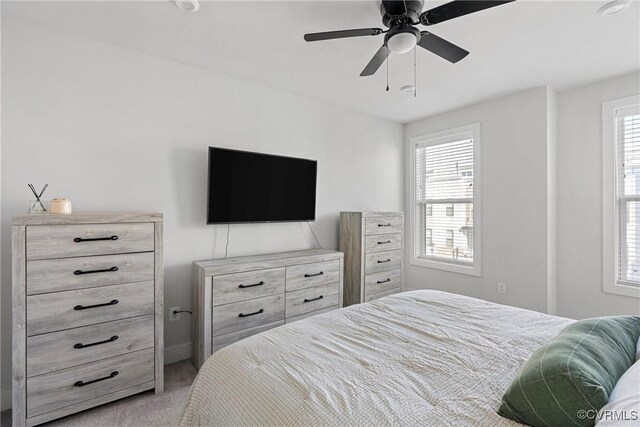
{"points": [[401, 17]]}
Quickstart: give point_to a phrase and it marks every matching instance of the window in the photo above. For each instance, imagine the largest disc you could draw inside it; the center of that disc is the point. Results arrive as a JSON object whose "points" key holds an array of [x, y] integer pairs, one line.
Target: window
{"points": [[449, 210], [446, 219], [621, 196], [449, 244]]}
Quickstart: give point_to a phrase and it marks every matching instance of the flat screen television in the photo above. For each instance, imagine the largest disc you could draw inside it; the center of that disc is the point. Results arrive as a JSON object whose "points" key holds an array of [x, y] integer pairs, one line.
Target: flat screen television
{"points": [[255, 187]]}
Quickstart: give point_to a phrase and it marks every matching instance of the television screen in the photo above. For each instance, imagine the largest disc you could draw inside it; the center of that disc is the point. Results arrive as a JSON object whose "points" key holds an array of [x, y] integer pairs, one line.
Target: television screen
{"points": [[254, 187]]}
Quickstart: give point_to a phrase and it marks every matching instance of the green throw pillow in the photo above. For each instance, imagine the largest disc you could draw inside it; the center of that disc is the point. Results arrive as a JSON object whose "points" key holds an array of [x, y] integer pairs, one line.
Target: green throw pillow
{"points": [[566, 381]]}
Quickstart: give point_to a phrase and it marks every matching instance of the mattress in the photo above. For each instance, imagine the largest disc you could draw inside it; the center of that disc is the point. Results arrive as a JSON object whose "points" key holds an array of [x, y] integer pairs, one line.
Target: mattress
{"points": [[419, 358]]}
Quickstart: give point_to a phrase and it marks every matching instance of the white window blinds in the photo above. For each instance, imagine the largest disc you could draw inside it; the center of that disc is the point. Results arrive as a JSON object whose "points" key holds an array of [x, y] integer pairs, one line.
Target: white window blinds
{"points": [[444, 199], [627, 141]]}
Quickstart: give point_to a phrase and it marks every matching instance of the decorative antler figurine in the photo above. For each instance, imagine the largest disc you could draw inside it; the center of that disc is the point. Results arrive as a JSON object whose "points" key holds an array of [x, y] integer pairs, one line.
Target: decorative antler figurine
{"points": [[38, 196]]}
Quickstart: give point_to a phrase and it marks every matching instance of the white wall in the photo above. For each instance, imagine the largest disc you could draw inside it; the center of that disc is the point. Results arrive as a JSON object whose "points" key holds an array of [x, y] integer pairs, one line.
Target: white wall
{"points": [[580, 200], [114, 129], [515, 205]]}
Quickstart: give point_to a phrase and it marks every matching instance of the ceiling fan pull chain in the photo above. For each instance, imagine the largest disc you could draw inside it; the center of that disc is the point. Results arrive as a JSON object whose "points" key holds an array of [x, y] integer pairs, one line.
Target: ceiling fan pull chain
{"points": [[415, 78], [388, 59]]}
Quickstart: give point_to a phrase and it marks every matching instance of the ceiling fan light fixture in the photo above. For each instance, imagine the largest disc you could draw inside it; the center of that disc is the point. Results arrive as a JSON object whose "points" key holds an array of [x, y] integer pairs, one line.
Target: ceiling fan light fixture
{"points": [[187, 5], [614, 7], [402, 42]]}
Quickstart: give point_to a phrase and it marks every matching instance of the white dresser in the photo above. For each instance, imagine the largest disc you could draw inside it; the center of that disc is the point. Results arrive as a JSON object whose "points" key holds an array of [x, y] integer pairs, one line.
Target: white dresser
{"points": [[235, 298], [87, 311], [372, 243]]}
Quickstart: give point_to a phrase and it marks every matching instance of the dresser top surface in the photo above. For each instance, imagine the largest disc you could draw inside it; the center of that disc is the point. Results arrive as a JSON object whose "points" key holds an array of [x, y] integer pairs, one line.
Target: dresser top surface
{"points": [[367, 214], [86, 218], [255, 262]]}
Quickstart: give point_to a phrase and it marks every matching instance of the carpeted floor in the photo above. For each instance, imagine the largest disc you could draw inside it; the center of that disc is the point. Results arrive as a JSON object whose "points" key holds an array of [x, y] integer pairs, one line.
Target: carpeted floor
{"points": [[141, 410]]}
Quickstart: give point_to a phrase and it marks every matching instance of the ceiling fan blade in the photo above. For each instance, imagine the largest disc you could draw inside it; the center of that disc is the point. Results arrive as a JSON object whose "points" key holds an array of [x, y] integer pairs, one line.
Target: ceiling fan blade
{"points": [[342, 34], [375, 63], [441, 47], [456, 9]]}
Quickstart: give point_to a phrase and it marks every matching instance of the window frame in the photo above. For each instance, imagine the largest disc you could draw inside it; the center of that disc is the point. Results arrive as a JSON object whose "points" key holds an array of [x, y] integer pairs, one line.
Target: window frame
{"points": [[468, 131], [610, 211]]}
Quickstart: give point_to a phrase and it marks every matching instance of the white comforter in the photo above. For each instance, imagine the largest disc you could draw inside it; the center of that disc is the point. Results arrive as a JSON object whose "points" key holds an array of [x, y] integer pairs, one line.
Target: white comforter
{"points": [[421, 358]]}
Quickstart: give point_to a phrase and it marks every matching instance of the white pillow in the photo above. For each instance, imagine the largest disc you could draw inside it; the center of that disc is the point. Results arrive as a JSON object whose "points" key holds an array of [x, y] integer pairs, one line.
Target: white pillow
{"points": [[623, 407]]}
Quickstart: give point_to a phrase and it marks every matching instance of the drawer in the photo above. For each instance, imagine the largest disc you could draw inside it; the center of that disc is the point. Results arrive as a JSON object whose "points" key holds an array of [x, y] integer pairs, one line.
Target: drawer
{"points": [[65, 241], [383, 225], [382, 261], [60, 350], [71, 309], [382, 294], [235, 287], [221, 341], [383, 242], [380, 282], [53, 275], [247, 314], [73, 385], [309, 275], [312, 299], [311, 314]]}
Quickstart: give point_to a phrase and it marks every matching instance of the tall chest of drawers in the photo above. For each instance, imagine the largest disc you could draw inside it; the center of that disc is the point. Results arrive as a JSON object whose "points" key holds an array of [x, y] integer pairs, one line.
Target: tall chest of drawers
{"points": [[238, 297], [372, 243], [87, 311]]}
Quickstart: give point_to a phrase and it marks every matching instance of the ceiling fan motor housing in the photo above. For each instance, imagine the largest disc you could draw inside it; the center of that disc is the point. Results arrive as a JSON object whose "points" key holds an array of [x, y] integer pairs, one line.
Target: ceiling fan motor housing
{"points": [[393, 12]]}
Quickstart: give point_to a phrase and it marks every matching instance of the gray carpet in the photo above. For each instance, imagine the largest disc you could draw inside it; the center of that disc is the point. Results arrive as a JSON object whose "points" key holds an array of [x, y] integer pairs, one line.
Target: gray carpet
{"points": [[144, 409]]}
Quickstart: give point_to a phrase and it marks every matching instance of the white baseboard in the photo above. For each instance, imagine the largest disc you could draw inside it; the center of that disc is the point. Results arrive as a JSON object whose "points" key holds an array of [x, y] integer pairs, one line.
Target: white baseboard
{"points": [[176, 353]]}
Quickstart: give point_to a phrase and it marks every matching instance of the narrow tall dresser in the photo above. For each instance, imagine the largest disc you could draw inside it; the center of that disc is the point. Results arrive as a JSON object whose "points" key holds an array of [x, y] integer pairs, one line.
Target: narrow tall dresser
{"points": [[372, 243], [87, 311], [235, 298]]}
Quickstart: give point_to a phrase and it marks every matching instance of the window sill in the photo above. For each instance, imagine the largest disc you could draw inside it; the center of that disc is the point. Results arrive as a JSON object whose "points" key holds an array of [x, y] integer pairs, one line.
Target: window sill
{"points": [[619, 289], [473, 270]]}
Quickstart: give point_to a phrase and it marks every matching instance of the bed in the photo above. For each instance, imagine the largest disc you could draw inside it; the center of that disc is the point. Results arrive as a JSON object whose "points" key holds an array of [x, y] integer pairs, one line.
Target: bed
{"points": [[424, 358]]}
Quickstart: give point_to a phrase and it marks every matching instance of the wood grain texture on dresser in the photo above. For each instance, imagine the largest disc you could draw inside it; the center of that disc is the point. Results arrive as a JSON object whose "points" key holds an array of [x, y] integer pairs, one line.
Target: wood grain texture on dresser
{"points": [[247, 314], [89, 343], [61, 310], [225, 313], [309, 314], [65, 274], [73, 385], [65, 241], [87, 293], [372, 297], [313, 274], [312, 299], [234, 287], [19, 317], [383, 281], [372, 243]]}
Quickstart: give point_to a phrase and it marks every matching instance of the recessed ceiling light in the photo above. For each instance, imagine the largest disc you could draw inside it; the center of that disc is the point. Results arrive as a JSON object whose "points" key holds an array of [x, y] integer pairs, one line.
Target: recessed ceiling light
{"points": [[188, 5], [614, 7]]}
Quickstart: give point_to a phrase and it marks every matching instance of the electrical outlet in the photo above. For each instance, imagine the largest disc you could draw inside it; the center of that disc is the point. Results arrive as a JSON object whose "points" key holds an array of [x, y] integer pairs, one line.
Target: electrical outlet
{"points": [[174, 316], [502, 288]]}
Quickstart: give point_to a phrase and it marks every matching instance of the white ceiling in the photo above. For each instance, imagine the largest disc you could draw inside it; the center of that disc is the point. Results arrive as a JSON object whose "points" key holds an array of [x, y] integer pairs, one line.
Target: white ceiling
{"points": [[515, 46]]}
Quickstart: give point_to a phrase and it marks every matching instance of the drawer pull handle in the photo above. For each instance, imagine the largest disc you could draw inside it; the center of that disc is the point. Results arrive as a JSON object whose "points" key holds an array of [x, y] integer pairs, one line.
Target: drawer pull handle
{"points": [[314, 299], [79, 272], [385, 225], [251, 286], [314, 275], [84, 307], [95, 239], [384, 281], [80, 345], [381, 261], [251, 314], [385, 242], [82, 383]]}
